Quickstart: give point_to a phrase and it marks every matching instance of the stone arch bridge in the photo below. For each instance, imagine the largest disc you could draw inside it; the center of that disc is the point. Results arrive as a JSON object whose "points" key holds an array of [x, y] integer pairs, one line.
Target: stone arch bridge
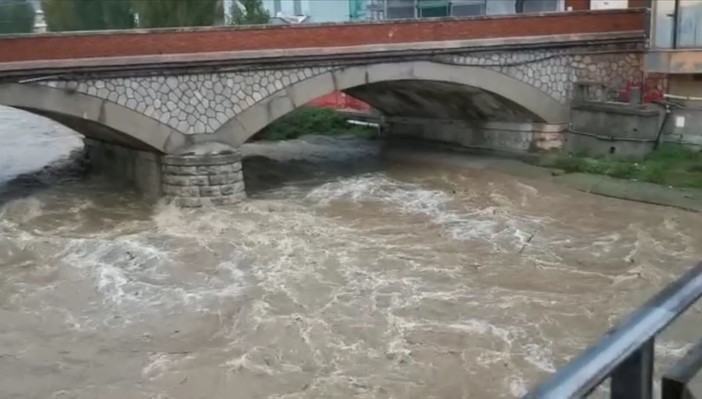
{"points": [[172, 123]]}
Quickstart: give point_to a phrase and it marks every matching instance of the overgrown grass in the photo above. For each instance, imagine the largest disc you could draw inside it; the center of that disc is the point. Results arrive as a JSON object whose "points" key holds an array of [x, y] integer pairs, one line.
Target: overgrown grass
{"points": [[671, 164], [308, 120]]}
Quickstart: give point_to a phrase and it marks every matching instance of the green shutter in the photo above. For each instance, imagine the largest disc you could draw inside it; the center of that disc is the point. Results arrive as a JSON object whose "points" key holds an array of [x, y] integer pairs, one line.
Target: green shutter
{"points": [[434, 8]]}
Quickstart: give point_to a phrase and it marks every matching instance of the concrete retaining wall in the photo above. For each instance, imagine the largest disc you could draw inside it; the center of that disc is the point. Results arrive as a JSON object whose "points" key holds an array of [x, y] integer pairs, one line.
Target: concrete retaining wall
{"points": [[688, 130], [507, 137], [613, 129], [140, 169]]}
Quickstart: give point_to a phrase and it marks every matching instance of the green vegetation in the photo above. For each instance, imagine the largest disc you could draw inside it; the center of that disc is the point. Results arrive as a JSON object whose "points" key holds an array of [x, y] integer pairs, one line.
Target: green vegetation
{"points": [[16, 16], [307, 120], [175, 13], [249, 12], [671, 164], [75, 15]]}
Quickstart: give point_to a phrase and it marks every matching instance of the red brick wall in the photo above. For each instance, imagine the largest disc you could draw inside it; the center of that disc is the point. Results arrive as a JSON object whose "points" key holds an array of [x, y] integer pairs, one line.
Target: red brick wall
{"points": [[585, 4], [653, 87], [128, 43], [577, 4]]}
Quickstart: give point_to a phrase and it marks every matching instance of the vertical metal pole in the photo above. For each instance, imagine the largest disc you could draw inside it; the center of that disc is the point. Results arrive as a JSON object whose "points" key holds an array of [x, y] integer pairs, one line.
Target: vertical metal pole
{"points": [[671, 389], [633, 379], [676, 18], [385, 9], [675, 381]]}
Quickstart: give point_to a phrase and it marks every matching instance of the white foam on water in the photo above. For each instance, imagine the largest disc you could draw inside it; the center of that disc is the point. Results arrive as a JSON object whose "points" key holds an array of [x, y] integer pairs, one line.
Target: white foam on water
{"points": [[312, 147], [517, 385], [493, 224], [135, 277], [160, 363], [539, 356], [21, 210], [672, 349]]}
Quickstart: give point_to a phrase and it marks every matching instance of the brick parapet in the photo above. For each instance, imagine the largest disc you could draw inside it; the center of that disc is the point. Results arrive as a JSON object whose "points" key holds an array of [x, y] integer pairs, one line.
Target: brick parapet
{"points": [[206, 40]]}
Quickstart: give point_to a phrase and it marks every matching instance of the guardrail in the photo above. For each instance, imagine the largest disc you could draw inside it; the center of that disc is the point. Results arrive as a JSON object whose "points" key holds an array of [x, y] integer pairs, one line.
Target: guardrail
{"points": [[625, 354]]}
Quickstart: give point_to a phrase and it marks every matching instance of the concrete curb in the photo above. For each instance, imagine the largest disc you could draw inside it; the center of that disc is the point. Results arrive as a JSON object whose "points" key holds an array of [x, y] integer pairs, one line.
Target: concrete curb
{"points": [[688, 199]]}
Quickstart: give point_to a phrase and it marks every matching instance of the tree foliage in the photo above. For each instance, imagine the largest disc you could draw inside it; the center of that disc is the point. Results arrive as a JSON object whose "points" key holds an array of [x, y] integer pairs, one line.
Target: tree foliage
{"points": [[16, 16], [249, 12], [174, 13], [73, 15]]}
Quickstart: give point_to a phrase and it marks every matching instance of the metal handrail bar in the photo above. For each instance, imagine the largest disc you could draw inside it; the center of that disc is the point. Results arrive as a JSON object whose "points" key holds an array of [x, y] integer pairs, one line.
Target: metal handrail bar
{"points": [[629, 344]]}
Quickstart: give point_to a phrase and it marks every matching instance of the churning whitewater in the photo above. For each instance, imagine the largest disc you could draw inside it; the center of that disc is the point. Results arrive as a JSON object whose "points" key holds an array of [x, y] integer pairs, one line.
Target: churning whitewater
{"points": [[349, 273]]}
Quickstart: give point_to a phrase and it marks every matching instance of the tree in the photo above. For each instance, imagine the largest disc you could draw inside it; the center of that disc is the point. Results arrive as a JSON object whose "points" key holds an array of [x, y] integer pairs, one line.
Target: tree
{"points": [[249, 12], [16, 16], [72, 15], [174, 13]]}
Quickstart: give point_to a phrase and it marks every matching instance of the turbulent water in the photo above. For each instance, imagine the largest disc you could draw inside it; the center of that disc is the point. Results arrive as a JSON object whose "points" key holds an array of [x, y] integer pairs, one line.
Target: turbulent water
{"points": [[347, 274]]}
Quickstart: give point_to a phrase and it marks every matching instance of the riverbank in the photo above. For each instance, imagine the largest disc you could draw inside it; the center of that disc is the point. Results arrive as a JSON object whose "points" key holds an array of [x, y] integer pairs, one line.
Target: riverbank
{"points": [[689, 199], [672, 176], [670, 165]]}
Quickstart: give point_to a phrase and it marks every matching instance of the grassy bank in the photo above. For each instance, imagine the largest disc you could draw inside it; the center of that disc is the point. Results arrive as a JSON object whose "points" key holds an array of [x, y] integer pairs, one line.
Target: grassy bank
{"points": [[307, 120], [671, 165]]}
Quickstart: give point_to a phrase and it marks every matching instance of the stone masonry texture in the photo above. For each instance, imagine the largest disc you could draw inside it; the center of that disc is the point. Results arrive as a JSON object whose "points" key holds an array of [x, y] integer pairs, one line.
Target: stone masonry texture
{"points": [[555, 71], [191, 104], [202, 103], [199, 180]]}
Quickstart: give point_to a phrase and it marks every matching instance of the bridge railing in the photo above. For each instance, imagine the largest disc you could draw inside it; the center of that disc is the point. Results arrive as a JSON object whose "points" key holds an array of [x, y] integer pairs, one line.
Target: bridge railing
{"points": [[625, 354]]}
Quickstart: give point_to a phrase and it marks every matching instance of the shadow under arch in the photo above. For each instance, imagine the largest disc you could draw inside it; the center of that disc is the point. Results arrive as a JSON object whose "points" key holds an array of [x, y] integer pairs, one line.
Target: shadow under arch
{"points": [[538, 104], [93, 117]]}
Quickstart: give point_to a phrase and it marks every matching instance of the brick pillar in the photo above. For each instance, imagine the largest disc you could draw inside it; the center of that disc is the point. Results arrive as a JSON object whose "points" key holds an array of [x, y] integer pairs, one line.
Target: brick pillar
{"points": [[194, 180]]}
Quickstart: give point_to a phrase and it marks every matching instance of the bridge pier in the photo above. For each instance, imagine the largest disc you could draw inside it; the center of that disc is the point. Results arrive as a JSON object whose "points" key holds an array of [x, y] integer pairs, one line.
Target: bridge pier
{"points": [[140, 169], [202, 177], [209, 174]]}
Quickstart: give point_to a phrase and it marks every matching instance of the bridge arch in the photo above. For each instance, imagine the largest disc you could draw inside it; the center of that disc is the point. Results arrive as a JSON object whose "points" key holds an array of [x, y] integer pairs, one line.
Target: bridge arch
{"points": [[364, 81], [93, 117]]}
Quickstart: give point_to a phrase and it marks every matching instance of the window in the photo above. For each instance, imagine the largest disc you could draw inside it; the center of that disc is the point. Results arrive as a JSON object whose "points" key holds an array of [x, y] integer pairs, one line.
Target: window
{"points": [[540, 5], [297, 7], [433, 8], [689, 27], [400, 9], [465, 8]]}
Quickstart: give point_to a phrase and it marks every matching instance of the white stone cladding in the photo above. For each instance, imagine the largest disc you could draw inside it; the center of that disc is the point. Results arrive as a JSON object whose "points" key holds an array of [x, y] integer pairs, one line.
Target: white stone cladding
{"points": [[200, 103]]}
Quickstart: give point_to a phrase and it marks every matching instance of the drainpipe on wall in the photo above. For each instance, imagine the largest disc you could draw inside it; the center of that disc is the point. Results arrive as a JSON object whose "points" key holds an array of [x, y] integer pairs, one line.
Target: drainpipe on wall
{"points": [[676, 14]]}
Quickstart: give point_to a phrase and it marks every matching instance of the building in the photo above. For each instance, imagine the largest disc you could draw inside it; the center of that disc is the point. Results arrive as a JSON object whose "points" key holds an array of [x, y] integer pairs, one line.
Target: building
{"points": [[398, 9], [317, 10], [674, 57]]}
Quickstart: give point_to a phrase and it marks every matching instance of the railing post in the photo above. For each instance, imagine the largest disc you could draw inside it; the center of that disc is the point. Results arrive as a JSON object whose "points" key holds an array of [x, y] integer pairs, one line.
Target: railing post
{"points": [[676, 379], [633, 379]]}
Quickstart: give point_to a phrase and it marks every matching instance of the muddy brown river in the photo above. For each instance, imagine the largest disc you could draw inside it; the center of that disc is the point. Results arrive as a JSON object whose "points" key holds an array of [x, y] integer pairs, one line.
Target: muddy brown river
{"points": [[349, 273]]}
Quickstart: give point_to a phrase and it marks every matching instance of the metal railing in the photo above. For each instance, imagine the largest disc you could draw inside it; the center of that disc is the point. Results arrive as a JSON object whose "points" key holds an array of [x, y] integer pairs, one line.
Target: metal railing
{"points": [[626, 353]]}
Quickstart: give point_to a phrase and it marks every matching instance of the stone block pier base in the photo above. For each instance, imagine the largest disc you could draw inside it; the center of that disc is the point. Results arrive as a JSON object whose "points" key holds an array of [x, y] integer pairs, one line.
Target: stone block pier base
{"points": [[194, 180], [208, 175]]}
